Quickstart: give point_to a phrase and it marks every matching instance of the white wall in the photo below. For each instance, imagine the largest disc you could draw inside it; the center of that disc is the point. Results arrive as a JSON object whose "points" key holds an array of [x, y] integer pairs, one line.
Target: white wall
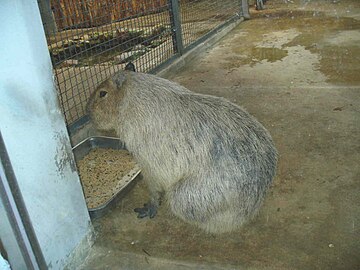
{"points": [[35, 135]]}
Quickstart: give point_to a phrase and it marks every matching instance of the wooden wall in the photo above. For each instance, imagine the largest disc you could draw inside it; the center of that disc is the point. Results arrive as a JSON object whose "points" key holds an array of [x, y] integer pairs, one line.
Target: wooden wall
{"points": [[90, 13]]}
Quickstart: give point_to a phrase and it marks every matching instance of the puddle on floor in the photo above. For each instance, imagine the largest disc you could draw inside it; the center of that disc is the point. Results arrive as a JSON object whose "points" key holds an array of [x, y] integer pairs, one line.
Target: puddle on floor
{"points": [[257, 54], [324, 38], [335, 41]]}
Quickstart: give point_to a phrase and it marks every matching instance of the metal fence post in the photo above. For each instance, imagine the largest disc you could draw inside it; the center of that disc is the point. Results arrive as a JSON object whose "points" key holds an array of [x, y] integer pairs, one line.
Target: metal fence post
{"points": [[244, 9], [175, 20], [47, 17]]}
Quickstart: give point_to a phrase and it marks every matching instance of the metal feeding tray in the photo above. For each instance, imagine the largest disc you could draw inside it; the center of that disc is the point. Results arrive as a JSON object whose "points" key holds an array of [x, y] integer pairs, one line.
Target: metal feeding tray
{"points": [[122, 186]]}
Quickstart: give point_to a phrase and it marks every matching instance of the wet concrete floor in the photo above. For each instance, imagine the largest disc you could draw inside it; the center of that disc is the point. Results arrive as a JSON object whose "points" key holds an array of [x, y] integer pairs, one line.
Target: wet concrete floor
{"points": [[296, 67]]}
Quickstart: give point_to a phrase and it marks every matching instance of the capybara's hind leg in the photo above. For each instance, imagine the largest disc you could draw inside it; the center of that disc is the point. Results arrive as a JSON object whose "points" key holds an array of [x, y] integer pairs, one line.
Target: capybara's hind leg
{"points": [[205, 206], [194, 201]]}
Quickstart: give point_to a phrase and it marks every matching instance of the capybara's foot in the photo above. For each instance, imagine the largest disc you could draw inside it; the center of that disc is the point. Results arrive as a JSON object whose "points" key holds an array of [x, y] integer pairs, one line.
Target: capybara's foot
{"points": [[149, 210]]}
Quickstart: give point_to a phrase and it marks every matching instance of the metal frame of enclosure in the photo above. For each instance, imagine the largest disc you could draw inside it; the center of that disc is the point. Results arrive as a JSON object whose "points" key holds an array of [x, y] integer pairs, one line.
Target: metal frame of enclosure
{"points": [[89, 40]]}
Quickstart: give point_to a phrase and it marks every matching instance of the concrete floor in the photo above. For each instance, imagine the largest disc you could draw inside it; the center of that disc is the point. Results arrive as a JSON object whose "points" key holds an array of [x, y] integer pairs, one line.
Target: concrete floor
{"points": [[296, 67]]}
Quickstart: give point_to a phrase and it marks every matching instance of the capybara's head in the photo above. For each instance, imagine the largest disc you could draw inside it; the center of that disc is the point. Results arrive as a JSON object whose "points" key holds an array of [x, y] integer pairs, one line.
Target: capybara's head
{"points": [[104, 102]]}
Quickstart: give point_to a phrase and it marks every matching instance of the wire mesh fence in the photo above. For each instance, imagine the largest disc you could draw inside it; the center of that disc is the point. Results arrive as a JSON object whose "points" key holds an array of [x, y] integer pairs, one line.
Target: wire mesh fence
{"points": [[89, 40], [198, 17]]}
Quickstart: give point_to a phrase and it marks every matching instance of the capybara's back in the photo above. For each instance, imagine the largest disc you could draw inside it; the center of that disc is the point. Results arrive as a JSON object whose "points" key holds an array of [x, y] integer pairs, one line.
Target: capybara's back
{"points": [[212, 161]]}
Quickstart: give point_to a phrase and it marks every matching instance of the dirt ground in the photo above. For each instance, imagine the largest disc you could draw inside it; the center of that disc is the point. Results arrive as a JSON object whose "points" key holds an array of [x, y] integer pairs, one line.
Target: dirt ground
{"points": [[296, 67]]}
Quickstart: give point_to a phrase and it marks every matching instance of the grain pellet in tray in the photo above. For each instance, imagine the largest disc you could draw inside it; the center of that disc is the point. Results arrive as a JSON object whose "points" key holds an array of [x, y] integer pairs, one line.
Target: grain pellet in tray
{"points": [[102, 174]]}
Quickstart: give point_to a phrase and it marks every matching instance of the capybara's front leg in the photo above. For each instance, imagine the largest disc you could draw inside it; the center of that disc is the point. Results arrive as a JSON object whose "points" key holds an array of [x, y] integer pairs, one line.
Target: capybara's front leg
{"points": [[150, 208]]}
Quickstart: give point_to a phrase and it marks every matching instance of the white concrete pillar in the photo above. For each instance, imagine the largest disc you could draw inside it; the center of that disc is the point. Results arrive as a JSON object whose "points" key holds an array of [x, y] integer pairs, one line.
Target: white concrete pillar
{"points": [[35, 135]]}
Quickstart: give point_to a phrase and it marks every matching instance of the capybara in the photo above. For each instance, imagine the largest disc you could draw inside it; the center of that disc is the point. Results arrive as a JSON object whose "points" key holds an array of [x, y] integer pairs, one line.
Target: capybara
{"points": [[209, 159]]}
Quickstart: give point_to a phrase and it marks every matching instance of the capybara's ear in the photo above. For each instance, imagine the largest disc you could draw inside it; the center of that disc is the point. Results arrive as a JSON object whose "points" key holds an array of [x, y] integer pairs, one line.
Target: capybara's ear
{"points": [[130, 66], [118, 80]]}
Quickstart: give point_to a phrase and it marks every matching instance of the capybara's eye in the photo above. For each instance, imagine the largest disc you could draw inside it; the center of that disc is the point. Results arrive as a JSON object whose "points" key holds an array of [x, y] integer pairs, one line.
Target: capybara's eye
{"points": [[103, 93]]}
